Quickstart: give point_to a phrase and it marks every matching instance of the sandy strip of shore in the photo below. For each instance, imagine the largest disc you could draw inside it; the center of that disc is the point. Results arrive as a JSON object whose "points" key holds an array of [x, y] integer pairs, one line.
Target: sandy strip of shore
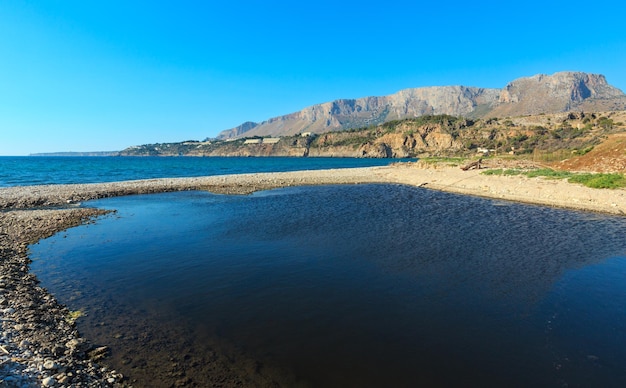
{"points": [[541, 191], [40, 347], [518, 188]]}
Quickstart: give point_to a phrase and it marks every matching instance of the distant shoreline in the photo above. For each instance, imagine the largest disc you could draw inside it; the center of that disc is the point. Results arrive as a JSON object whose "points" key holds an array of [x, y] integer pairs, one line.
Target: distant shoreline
{"points": [[30, 213], [95, 153]]}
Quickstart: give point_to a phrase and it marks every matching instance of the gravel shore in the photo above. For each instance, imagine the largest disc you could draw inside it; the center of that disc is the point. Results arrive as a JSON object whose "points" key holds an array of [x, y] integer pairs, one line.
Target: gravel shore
{"points": [[39, 344]]}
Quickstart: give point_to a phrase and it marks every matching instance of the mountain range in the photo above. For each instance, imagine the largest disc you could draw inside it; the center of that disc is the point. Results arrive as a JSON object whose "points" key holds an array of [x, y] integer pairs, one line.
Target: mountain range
{"points": [[559, 92]]}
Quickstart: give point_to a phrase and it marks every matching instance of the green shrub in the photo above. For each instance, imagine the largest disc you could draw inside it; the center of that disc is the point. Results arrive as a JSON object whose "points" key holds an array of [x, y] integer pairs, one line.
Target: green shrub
{"points": [[585, 150], [548, 173], [453, 161], [507, 172], [600, 181], [605, 123], [495, 171], [595, 181]]}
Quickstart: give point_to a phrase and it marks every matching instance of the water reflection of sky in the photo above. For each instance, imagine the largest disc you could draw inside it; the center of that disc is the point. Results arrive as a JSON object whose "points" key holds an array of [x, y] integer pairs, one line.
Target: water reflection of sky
{"points": [[378, 280]]}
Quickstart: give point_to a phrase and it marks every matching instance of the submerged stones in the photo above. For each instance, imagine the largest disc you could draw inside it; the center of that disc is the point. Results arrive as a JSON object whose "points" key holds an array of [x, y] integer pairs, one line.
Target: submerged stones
{"points": [[39, 346]]}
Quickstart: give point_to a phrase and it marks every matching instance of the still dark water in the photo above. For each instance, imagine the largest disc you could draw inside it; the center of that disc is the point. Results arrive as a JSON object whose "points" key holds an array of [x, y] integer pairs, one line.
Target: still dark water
{"points": [[347, 286]]}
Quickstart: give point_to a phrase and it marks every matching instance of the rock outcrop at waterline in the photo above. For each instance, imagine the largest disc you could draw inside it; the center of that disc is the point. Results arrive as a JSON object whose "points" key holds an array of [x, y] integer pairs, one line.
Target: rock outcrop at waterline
{"points": [[560, 92]]}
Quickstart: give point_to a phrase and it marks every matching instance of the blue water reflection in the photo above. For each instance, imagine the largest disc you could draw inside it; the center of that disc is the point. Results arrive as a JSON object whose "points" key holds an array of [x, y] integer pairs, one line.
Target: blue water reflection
{"points": [[371, 285]]}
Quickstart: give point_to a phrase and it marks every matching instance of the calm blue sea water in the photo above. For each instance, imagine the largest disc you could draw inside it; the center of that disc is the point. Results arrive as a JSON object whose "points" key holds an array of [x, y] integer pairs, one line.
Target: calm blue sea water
{"points": [[347, 286], [28, 170]]}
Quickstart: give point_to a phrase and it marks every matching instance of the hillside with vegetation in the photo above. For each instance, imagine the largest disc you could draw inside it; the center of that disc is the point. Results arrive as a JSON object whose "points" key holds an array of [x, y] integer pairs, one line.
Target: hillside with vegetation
{"points": [[564, 120], [545, 138]]}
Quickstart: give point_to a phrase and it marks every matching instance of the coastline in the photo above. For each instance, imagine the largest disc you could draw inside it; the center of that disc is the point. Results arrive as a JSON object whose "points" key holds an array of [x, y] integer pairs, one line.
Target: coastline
{"points": [[518, 188], [39, 345], [539, 191]]}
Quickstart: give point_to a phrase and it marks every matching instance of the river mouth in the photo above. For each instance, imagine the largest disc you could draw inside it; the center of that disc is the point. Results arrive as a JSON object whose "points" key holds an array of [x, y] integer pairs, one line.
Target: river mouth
{"points": [[334, 286]]}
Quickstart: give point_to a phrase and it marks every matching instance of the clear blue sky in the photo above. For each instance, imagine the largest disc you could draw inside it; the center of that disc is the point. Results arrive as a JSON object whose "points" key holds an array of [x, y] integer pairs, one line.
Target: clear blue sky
{"points": [[89, 76]]}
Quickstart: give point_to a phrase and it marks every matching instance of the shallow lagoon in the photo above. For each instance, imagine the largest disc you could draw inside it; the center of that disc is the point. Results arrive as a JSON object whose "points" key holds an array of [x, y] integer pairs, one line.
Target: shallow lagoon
{"points": [[370, 285]]}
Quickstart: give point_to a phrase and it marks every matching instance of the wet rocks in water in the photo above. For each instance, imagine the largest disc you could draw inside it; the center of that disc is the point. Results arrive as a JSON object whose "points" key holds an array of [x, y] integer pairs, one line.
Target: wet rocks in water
{"points": [[39, 345]]}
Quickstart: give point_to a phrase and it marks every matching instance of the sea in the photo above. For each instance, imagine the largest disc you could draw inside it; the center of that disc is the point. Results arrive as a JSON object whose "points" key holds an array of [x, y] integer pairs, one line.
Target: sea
{"points": [[43, 170], [374, 285]]}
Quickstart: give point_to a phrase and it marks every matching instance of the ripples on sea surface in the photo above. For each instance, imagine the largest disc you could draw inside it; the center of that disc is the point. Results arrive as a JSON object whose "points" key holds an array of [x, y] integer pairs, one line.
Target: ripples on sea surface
{"points": [[347, 286], [42, 170]]}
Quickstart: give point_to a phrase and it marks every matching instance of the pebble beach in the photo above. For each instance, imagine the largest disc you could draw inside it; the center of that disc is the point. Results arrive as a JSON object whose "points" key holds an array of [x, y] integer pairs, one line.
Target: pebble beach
{"points": [[39, 344]]}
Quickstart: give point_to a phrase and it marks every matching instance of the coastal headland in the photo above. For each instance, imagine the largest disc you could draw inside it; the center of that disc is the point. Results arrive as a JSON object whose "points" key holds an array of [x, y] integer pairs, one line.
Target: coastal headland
{"points": [[39, 344]]}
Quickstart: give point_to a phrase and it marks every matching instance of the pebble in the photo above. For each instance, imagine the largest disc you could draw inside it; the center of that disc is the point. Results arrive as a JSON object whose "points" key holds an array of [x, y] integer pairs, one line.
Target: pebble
{"points": [[49, 382], [50, 365], [63, 379]]}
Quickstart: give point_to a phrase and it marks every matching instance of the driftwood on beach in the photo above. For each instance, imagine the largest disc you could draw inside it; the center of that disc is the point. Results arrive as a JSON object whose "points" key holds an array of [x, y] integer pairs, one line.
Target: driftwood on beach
{"points": [[476, 164]]}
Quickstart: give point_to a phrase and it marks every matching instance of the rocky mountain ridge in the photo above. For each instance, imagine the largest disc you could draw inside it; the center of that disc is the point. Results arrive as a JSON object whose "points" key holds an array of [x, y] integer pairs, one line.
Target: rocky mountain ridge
{"points": [[560, 92], [542, 137]]}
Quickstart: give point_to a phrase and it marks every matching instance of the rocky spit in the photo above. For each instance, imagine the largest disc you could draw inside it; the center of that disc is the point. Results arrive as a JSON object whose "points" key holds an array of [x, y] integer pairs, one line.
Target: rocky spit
{"points": [[39, 343]]}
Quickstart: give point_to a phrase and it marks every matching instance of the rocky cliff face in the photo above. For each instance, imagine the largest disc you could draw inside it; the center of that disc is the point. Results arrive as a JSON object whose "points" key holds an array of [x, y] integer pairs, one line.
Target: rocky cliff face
{"points": [[239, 130], [356, 113], [561, 92]]}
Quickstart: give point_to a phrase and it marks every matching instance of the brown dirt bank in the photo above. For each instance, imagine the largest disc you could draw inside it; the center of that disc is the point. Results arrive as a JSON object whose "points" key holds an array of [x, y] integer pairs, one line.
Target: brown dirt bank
{"points": [[609, 156], [39, 345]]}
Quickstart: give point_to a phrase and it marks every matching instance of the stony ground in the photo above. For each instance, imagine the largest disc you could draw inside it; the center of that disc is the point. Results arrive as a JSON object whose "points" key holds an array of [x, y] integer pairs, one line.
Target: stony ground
{"points": [[39, 344]]}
